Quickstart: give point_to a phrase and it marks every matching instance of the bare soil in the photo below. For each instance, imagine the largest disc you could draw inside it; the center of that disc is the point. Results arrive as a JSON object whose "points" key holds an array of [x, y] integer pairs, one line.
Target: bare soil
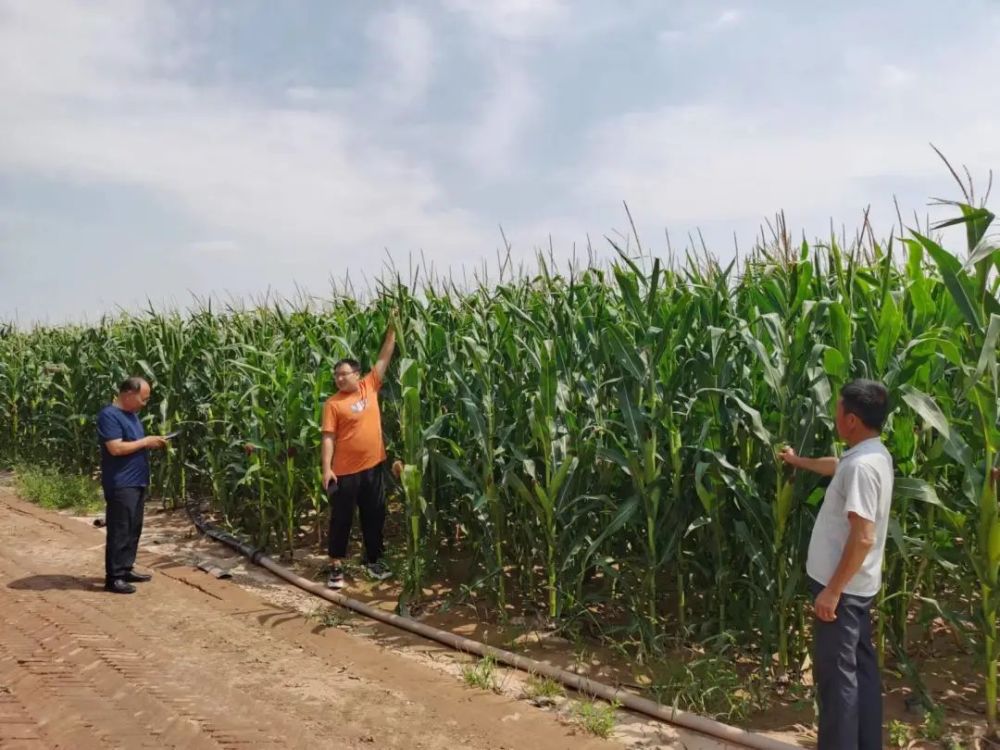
{"points": [[192, 661], [252, 660]]}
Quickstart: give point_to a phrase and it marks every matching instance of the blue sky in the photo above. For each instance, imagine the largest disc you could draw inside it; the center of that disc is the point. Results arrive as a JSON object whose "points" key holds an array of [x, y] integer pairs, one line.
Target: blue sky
{"points": [[155, 150]]}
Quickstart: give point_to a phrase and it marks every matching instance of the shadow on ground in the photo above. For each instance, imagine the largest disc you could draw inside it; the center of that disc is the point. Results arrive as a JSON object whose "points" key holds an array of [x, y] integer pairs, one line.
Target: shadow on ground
{"points": [[57, 582]]}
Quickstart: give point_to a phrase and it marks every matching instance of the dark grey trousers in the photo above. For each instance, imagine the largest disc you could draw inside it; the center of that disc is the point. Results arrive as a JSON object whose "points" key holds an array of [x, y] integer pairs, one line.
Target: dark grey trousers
{"points": [[124, 514], [848, 685], [366, 489]]}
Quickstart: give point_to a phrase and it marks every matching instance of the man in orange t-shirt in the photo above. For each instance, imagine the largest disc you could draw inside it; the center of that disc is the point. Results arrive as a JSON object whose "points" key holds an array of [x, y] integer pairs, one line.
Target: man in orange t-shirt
{"points": [[353, 454]]}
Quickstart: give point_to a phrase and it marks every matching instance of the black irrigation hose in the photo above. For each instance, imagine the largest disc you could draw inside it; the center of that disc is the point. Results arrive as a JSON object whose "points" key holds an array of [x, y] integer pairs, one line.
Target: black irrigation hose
{"points": [[676, 717]]}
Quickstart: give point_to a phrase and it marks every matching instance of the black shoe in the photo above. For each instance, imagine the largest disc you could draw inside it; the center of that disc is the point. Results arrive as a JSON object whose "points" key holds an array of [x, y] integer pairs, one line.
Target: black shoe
{"points": [[119, 586], [336, 578], [378, 571], [133, 577]]}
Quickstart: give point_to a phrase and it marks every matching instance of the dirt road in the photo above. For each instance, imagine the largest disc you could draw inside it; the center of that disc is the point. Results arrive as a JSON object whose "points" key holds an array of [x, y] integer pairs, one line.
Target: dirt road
{"points": [[193, 662]]}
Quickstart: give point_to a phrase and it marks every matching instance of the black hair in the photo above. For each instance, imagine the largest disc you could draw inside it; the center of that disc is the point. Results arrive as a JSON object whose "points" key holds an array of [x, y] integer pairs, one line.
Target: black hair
{"points": [[868, 400], [355, 365], [131, 385]]}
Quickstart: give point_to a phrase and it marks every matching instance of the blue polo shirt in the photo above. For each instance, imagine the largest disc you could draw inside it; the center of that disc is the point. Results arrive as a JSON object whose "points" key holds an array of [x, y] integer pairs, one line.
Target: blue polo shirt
{"points": [[121, 471]]}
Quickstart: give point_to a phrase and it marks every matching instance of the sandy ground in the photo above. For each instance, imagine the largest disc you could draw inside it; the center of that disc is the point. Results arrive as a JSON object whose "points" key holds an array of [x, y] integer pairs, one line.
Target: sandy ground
{"points": [[191, 661]]}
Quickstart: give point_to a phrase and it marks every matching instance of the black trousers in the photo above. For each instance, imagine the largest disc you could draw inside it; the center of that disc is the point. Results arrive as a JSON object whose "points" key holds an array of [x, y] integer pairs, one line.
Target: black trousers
{"points": [[123, 515], [848, 685], [366, 490]]}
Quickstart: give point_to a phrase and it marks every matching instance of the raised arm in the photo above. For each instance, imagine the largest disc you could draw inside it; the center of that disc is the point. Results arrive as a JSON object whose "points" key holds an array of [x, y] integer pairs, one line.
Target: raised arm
{"points": [[385, 353]]}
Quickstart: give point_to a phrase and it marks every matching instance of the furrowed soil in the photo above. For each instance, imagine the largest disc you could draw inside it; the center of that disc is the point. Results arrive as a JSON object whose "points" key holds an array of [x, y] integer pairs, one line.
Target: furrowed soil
{"points": [[192, 661]]}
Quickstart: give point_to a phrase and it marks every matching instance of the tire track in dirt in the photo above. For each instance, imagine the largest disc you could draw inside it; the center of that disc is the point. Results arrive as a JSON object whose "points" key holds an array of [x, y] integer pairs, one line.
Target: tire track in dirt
{"points": [[78, 658], [175, 666]]}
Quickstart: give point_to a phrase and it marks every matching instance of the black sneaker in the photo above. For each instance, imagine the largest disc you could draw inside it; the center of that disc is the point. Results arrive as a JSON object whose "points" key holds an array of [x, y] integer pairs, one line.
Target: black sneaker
{"points": [[119, 586], [336, 578], [378, 571]]}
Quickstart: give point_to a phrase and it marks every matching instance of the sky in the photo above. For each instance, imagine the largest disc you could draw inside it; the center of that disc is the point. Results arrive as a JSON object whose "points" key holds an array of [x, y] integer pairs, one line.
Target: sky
{"points": [[159, 152]]}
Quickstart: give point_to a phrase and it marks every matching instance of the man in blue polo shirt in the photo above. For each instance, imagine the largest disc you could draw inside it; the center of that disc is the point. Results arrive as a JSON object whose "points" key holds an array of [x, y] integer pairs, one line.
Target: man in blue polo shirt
{"points": [[125, 479]]}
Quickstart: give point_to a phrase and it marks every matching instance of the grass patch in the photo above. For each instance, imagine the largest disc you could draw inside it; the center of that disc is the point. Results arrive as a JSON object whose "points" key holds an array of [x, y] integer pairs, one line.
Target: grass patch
{"points": [[934, 725], [482, 674], [710, 685], [598, 718], [329, 617], [49, 488], [899, 734], [543, 687]]}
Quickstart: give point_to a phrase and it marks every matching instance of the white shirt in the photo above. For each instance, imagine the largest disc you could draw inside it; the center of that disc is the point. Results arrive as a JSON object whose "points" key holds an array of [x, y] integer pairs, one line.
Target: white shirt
{"points": [[862, 484]]}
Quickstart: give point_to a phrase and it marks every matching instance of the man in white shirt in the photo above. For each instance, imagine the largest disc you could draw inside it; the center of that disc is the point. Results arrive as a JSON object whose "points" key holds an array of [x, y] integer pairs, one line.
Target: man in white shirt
{"points": [[845, 569]]}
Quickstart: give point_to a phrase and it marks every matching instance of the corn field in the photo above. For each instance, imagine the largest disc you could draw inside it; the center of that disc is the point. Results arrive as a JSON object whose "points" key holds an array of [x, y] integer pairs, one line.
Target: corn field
{"points": [[600, 442]]}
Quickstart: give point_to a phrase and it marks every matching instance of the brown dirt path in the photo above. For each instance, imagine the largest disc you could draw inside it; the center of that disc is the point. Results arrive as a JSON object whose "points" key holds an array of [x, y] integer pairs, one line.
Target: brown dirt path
{"points": [[192, 662]]}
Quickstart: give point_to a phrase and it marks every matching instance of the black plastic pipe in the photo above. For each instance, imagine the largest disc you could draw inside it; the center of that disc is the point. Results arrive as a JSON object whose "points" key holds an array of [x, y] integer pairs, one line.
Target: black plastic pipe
{"points": [[631, 701]]}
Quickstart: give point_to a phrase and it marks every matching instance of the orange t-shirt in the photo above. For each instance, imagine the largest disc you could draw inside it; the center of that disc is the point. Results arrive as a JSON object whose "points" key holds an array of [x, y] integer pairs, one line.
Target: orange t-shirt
{"points": [[356, 422]]}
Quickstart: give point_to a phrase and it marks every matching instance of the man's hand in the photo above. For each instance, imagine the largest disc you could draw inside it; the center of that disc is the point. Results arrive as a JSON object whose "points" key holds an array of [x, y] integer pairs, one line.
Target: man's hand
{"points": [[155, 442], [825, 605], [787, 454], [328, 476], [823, 466]]}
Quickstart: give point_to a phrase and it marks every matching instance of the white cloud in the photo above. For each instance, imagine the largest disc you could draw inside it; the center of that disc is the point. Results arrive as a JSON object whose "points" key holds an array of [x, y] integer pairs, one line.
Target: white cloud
{"points": [[699, 163], [404, 55], [699, 29], [297, 183], [214, 247], [728, 17], [894, 77], [304, 93], [502, 114], [88, 98], [67, 51], [493, 142], [733, 159], [514, 19]]}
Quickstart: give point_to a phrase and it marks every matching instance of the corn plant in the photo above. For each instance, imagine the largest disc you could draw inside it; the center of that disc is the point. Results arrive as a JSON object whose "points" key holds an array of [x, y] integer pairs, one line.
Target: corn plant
{"points": [[972, 433], [415, 459], [598, 443]]}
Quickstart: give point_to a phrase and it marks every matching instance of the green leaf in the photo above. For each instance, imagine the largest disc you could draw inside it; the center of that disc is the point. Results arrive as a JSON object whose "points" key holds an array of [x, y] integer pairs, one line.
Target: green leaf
{"points": [[755, 421], [987, 248], [704, 494], [954, 279], [615, 456], [919, 295], [630, 508], [565, 472], [977, 220], [988, 355], [772, 374], [912, 488], [927, 408], [632, 416], [834, 364], [931, 346], [889, 327], [840, 327], [452, 469], [624, 352]]}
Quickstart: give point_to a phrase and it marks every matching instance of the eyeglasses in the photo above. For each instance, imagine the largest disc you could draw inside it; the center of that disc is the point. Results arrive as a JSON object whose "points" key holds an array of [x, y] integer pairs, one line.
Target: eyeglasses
{"points": [[345, 373]]}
